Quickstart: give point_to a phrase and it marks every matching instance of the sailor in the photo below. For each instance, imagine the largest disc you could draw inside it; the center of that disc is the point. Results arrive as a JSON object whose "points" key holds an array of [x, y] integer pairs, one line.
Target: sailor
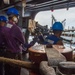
{"points": [[3, 31], [15, 41], [55, 37]]}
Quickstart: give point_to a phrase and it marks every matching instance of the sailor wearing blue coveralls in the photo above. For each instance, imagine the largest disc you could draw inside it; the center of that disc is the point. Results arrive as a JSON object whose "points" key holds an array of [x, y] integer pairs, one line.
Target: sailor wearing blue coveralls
{"points": [[3, 32], [55, 37], [15, 41]]}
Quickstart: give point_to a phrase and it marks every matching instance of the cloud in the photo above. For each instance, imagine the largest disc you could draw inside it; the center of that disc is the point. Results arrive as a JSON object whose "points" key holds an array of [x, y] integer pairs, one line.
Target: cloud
{"points": [[44, 18]]}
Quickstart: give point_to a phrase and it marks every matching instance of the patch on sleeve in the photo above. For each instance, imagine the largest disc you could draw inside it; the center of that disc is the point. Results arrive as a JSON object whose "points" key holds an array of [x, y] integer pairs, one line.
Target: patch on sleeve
{"points": [[9, 25], [50, 41]]}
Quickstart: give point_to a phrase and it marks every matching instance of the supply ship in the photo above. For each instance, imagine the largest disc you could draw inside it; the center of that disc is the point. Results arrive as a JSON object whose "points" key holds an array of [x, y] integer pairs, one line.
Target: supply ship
{"points": [[39, 60]]}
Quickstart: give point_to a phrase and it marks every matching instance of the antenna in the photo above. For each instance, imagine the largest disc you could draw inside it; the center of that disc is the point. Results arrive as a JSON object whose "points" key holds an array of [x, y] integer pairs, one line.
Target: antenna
{"points": [[53, 20], [64, 22]]}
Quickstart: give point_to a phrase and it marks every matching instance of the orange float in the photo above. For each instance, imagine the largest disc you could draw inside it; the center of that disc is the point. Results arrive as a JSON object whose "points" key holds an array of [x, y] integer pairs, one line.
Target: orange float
{"points": [[66, 51], [37, 54]]}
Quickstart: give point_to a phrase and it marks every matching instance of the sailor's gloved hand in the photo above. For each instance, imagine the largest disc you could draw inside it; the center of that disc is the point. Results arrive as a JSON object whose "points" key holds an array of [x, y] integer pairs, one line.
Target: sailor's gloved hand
{"points": [[35, 39], [41, 38]]}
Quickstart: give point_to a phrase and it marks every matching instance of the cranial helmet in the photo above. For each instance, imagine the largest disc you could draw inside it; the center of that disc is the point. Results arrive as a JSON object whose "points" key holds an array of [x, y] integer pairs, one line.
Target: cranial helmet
{"points": [[57, 26], [12, 11], [3, 18]]}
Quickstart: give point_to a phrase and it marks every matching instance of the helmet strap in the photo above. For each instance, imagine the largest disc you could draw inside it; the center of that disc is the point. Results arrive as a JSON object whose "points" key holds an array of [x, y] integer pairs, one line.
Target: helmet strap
{"points": [[15, 19]]}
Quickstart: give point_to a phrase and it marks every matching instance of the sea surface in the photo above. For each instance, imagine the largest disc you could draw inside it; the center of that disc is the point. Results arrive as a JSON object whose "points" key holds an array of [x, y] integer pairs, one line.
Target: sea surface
{"points": [[66, 43]]}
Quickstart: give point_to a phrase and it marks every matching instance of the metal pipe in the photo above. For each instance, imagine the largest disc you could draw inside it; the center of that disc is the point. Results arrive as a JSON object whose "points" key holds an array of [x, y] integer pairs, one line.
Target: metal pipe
{"points": [[55, 6], [9, 6], [48, 3]]}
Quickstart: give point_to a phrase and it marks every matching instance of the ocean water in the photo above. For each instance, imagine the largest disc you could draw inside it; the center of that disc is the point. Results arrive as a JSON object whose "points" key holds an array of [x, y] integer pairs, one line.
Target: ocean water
{"points": [[68, 44], [30, 39], [69, 38]]}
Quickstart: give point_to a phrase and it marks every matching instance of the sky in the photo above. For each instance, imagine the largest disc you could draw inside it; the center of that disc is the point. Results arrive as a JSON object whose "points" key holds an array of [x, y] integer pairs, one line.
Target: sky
{"points": [[45, 17]]}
